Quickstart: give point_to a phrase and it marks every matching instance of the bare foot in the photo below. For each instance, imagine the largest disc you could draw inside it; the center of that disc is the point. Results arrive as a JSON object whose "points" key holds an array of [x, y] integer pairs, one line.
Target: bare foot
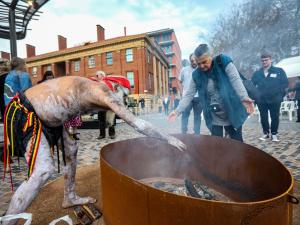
{"points": [[77, 201]]}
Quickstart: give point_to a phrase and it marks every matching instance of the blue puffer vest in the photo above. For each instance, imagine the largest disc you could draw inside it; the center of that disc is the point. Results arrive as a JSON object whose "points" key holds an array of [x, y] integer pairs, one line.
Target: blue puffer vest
{"points": [[236, 111]]}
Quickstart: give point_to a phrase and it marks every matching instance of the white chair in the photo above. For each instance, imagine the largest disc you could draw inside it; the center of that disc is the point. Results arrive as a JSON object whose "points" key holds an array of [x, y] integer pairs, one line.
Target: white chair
{"points": [[289, 108]]}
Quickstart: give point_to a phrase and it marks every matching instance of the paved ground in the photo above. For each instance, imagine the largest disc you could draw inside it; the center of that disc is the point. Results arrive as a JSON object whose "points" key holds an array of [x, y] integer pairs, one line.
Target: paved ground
{"points": [[287, 150]]}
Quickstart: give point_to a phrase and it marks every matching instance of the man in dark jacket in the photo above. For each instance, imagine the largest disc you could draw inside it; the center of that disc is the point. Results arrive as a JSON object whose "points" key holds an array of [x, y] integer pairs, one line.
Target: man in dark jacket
{"points": [[224, 99], [271, 82]]}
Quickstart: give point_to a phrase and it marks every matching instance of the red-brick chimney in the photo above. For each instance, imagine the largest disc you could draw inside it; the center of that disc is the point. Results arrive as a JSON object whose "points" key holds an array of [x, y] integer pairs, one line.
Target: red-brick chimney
{"points": [[125, 33], [30, 49], [5, 55], [62, 42], [100, 33]]}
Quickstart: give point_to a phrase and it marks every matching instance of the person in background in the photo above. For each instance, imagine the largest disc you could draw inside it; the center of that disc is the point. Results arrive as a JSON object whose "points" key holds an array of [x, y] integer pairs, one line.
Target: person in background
{"points": [[160, 104], [184, 82], [271, 82], [4, 70], [296, 89], [142, 102], [223, 97], [176, 99], [17, 80], [166, 102], [47, 76], [104, 116]]}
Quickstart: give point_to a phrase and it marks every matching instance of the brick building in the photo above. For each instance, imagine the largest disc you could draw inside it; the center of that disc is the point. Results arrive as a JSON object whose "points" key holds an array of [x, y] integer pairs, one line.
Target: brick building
{"points": [[166, 38], [137, 57]]}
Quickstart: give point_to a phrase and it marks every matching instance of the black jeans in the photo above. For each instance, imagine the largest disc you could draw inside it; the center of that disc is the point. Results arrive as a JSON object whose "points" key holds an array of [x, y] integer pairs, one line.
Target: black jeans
{"points": [[103, 125], [298, 111], [274, 109], [235, 134]]}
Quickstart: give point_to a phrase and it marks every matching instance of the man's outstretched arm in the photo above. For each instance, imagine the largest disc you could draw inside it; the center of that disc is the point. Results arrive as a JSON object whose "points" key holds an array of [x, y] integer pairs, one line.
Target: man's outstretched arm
{"points": [[142, 126]]}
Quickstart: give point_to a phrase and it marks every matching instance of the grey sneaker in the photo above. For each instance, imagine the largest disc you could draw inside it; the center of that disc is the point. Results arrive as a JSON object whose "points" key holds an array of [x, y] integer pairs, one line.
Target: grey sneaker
{"points": [[275, 138], [265, 137]]}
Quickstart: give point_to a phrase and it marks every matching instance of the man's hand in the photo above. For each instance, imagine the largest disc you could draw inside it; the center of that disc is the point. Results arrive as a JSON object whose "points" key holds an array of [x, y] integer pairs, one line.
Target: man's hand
{"points": [[172, 116], [248, 103]]}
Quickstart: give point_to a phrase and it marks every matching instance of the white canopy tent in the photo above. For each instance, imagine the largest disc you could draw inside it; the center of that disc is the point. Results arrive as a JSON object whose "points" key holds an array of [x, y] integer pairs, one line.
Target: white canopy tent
{"points": [[291, 66]]}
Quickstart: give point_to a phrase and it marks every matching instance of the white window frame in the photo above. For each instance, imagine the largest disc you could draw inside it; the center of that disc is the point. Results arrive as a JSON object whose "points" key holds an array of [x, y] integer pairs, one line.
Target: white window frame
{"points": [[131, 79], [129, 55], [91, 62], [76, 66], [109, 58], [34, 71]]}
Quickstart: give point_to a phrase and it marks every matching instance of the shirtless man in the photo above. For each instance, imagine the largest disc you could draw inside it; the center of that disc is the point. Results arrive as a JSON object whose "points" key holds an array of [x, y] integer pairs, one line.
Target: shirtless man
{"points": [[56, 101]]}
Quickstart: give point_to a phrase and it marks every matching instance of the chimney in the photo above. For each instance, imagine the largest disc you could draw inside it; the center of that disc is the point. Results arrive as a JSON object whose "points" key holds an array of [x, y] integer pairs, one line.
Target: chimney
{"points": [[100, 33], [30, 49], [124, 31], [62, 42], [5, 55]]}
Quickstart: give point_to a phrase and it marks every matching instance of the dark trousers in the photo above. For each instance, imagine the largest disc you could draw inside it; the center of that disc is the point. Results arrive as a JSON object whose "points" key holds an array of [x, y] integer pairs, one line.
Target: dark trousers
{"points": [[274, 109], [103, 124], [235, 134], [298, 111], [195, 105]]}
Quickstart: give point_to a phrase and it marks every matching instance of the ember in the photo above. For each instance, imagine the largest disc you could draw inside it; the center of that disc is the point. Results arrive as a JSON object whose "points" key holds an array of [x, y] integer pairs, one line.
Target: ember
{"points": [[186, 188]]}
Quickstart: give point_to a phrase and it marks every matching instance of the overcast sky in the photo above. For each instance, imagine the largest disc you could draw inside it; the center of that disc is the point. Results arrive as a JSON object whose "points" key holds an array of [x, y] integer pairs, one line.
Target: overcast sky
{"points": [[76, 20]]}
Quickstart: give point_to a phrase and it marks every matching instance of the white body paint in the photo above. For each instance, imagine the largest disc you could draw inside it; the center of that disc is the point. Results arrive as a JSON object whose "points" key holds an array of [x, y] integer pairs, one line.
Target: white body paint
{"points": [[57, 101]]}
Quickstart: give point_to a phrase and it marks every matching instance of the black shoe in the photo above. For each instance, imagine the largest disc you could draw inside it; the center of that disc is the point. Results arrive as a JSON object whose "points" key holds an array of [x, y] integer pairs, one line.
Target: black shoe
{"points": [[297, 121], [75, 137], [112, 136], [100, 137]]}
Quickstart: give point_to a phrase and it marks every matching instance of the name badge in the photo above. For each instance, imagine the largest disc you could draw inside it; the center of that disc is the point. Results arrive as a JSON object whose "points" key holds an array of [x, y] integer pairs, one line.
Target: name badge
{"points": [[274, 75]]}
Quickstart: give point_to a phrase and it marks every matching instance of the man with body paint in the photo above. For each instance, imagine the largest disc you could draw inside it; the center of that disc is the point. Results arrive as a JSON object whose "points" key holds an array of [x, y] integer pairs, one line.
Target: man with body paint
{"points": [[53, 102]]}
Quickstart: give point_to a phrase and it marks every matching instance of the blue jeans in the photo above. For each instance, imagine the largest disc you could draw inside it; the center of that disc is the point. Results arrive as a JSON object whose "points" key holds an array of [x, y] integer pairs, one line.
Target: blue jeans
{"points": [[195, 105]]}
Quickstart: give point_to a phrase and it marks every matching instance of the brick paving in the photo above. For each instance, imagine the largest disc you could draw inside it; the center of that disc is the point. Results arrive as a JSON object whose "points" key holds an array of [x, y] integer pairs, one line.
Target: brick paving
{"points": [[287, 150]]}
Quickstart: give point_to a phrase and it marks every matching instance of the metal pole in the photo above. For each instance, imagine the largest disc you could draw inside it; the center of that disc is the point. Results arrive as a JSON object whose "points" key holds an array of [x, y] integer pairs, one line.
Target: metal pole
{"points": [[12, 33]]}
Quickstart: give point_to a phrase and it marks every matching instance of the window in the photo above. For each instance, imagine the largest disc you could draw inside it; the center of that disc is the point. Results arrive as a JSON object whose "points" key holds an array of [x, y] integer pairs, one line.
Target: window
{"points": [[34, 71], [76, 66], [49, 68], [109, 58], [130, 77], [167, 49], [170, 60], [166, 37], [129, 55], [91, 62]]}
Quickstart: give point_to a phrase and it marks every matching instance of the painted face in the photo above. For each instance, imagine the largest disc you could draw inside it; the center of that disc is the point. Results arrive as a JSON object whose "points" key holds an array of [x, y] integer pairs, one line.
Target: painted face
{"points": [[120, 91], [266, 62], [100, 76], [204, 62]]}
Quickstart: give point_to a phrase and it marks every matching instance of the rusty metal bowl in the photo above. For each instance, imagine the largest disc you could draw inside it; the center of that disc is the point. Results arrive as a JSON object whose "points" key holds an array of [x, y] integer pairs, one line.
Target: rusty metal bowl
{"points": [[260, 186]]}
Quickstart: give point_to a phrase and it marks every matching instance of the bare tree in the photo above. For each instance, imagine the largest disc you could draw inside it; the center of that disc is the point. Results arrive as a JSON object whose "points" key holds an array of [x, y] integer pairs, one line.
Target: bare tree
{"points": [[256, 26]]}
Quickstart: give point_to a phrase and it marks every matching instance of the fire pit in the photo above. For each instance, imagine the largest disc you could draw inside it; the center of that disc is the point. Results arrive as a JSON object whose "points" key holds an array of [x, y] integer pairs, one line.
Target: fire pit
{"points": [[249, 186]]}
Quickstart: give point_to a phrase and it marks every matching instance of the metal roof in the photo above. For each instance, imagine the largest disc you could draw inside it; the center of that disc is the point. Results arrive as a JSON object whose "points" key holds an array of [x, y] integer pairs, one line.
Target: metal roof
{"points": [[23, 11]]}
